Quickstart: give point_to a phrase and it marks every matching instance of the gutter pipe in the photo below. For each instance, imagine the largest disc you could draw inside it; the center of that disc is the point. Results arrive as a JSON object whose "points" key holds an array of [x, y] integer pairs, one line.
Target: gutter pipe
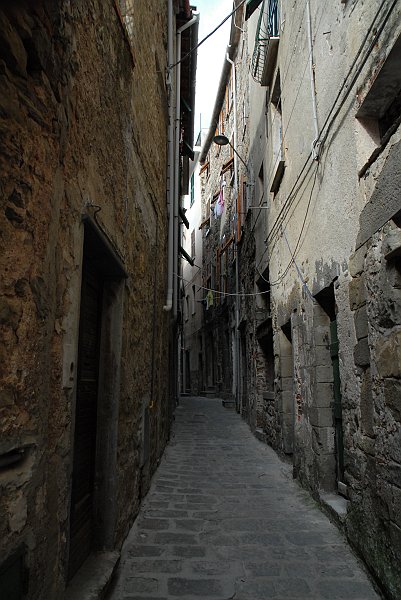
{"points": [[315, 150], [195, 19], [170, 157]]}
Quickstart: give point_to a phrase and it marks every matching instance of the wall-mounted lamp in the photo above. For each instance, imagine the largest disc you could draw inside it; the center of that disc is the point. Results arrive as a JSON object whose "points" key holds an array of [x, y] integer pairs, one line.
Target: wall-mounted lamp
{"points": [[222, 140]]}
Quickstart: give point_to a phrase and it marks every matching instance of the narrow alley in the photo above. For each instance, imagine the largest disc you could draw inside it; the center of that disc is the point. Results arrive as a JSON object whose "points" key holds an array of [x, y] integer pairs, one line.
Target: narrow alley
{"points": [[200, 300], [224, 519]]}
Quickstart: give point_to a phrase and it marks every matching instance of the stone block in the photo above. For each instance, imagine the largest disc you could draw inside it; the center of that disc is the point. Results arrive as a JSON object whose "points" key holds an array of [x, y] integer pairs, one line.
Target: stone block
{"points": [[356, 262], [367, 445], [323, 440], [324, 396], [321, 417], [391, 472], [366, 402], [362, 353], [392, 397], [392, 244], [395, 534], [324, 374], [286, 366], [357, 292], [287, 403], [322, 355], [287, 384], [388, 354], [361, 323], [393, 446], [321, 336], [326, 464], [287, 430]]}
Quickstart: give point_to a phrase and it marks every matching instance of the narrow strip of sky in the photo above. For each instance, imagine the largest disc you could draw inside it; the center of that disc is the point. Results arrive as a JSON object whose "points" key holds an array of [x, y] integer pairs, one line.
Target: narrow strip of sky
{"points": [[210, 56]]}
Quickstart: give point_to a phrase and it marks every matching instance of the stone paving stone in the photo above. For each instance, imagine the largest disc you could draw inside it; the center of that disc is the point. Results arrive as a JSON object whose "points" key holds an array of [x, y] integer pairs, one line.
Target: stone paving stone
{"points": [[174, 538], [142, 550], [335, 589], [154, 524], [224, 520], [189, 551], [141, 584], [205, 588]]}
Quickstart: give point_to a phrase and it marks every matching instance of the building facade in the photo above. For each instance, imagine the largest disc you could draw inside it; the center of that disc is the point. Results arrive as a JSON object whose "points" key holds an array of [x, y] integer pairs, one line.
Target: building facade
{"points": [[313, 348], [86, 107], [192, 292]]}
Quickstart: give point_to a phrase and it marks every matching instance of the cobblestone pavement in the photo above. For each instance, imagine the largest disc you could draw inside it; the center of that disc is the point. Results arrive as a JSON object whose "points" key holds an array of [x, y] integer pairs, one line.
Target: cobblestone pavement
{"points": [[224, 519]]}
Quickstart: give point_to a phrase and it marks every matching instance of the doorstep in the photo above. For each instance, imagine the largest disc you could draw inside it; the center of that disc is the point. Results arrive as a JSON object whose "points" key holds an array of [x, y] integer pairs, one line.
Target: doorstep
{"points": [[335, 505], [92, 580]]}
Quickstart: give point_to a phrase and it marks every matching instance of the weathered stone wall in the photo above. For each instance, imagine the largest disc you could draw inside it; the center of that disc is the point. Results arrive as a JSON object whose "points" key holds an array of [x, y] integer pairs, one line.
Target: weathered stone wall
{"points": [[329, 226], [217, 235], [78, 128]]}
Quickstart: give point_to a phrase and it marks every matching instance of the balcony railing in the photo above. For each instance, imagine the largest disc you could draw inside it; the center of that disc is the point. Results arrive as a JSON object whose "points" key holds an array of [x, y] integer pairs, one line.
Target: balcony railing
{"points": [[266, 42]]}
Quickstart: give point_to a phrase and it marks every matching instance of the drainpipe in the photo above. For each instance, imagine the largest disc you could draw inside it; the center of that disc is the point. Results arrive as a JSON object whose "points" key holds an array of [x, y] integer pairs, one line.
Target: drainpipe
{"points": [[236, 338], [170, 157], [195, 19], [315, 150]]}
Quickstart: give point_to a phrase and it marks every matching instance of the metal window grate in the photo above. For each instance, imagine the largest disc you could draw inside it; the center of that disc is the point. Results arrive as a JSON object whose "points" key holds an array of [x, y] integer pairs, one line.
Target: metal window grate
{"points": [[268, 27]]}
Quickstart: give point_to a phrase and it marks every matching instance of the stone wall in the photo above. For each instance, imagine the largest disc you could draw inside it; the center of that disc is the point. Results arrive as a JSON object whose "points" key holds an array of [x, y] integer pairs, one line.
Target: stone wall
{"points": [[79, 119], [329, 247]]}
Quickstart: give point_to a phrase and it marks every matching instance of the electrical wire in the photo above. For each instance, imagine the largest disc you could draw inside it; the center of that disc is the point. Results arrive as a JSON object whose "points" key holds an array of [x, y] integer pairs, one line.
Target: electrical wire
{"points": [[207, 37], [202, 287], [329, 122], [344, 84], [293, 254], [298, 90]]}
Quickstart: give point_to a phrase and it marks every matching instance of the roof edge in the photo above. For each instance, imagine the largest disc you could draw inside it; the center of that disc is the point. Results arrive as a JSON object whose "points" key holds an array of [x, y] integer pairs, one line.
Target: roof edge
{"points": [[235, 35]]}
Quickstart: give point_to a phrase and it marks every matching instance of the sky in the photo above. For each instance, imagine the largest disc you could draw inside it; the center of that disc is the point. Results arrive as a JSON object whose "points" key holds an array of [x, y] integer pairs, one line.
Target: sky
{"points": [[210, 56]]}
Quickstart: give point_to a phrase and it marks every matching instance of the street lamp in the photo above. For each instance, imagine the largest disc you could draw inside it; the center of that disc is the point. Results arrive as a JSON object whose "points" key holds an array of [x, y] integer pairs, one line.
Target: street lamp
{"points": [[222, 140]]}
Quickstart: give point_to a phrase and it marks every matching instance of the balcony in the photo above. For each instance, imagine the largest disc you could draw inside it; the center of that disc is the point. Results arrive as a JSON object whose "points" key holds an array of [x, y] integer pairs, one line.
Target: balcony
{"points": [[266, 43]]}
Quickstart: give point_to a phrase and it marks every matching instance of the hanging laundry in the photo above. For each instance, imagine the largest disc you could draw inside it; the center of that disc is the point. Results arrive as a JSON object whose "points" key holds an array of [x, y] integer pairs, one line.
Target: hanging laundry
{"points": [[219, 208], [209, 299]]}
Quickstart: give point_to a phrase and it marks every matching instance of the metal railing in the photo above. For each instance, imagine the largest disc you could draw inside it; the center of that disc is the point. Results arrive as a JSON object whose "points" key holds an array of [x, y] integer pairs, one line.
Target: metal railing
{"points": [[268, 27]]}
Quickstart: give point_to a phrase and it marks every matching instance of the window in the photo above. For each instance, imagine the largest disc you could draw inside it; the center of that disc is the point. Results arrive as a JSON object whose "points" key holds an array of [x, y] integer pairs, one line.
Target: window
{"points": [[380, 109], [193, 300], [223, 272], [277, 136], [186, 307], [192, 190], [193, 243]]}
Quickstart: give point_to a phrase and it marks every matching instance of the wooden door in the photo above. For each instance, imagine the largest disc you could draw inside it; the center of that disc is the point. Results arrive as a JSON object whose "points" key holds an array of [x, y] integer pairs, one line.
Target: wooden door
{"points": [[338, 416], [84, 461]]}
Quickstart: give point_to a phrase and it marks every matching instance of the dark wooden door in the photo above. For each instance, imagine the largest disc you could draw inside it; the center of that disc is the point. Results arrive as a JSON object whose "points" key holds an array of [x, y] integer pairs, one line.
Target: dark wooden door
{"points": [[338, 414], [84, 461]]}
